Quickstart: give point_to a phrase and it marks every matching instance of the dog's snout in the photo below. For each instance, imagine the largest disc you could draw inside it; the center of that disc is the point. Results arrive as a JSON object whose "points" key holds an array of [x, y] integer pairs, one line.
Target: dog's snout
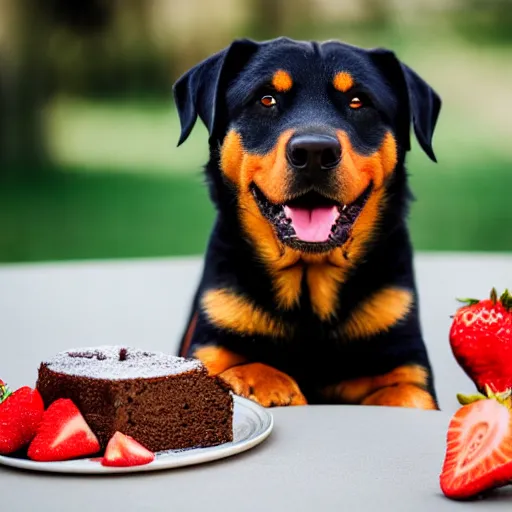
{"points": [[313, 152]]}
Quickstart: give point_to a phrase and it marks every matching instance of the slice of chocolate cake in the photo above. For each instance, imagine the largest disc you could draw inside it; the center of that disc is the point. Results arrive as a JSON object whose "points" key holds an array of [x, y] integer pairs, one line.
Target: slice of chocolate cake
{"points": [[164, 402]]}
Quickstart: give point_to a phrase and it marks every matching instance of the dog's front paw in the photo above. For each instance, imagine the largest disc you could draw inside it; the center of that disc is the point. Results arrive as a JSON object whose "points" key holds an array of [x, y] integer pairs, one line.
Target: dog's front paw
{"points": [[264, 384], [402, 395]]}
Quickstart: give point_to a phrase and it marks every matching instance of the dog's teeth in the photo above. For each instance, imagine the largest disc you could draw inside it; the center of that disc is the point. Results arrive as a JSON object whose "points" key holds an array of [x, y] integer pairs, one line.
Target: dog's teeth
{"points": [[344, 208]]}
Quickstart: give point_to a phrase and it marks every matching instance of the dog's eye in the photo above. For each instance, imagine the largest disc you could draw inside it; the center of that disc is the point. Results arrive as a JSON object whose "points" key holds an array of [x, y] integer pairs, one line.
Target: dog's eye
{"points": [[268, 101], [356, 102]]}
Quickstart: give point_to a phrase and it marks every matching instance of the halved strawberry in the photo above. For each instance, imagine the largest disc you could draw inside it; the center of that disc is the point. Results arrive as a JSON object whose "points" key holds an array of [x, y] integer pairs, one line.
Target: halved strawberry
{"points": [[20, 416], [63, 434], [123, 450], [479, 450]]}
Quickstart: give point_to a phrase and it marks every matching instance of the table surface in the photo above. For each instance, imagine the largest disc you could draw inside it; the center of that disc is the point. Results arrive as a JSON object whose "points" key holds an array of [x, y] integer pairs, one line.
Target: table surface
{"points": [[328, 458]]}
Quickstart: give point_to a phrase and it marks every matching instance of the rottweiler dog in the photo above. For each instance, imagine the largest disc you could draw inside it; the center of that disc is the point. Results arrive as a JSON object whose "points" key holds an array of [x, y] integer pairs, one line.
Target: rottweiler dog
{"points": [[308, 292]]}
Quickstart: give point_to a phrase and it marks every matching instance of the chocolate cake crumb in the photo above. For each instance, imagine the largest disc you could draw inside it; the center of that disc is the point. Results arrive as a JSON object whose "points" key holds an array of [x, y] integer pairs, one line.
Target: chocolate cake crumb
{"points": [[88, 355], [83, 355], [123, 354]]}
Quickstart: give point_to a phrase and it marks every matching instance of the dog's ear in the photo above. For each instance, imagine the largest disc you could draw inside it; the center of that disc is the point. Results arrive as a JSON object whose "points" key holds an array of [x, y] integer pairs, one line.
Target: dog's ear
{"points": [[198, 91], [422, 102]]}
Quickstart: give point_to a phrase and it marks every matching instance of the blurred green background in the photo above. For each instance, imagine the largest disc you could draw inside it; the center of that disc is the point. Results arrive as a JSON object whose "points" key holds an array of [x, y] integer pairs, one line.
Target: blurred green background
{"points": [[88, 161]]}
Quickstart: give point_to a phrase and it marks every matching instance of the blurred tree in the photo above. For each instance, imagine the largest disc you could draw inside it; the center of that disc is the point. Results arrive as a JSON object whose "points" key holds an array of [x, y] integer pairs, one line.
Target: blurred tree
{"points": [[84, 16], [22, 86], [378, 13], [25, 73], [268, 17], [484, 21], [274, 18]]}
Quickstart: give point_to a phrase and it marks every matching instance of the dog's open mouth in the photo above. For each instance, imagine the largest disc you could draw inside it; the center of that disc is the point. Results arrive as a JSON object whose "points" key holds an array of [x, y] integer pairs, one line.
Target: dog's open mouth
{"points": [[312, 222]]}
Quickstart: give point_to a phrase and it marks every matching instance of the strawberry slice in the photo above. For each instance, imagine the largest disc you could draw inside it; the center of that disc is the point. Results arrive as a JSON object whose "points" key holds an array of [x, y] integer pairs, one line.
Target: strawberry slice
{"points": [[20, 416], [479, 450], [123, 450], [63, 434]]}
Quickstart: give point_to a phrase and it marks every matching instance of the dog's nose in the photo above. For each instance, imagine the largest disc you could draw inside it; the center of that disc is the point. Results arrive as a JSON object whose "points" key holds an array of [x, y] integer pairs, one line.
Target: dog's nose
{"points": [[313, 152]]}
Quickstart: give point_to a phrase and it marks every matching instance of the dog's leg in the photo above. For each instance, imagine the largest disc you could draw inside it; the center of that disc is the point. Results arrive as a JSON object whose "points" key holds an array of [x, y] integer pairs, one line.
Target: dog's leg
{"points": [[405, 386], [256, 381], [392, 364], [225, 316], [402, 395], [218, 359]]}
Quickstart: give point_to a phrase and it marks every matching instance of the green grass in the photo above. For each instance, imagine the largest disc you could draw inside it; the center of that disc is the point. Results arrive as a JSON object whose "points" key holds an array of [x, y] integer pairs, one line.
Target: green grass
{"points": [[134, 137], [462, 208], [82, 215], [77, 215]]}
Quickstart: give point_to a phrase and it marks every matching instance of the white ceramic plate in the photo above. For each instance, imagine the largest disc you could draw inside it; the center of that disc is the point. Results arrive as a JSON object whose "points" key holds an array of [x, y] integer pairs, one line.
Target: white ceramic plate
{"points": [[252, 424]]}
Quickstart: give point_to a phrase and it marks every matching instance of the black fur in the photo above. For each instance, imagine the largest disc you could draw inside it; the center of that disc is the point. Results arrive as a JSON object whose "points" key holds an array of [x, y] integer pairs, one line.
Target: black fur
{"points": [[223, 91]]}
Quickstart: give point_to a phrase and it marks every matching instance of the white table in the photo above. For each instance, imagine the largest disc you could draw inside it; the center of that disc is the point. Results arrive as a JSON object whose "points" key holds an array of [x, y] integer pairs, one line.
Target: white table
{"points": [[318, 458]]}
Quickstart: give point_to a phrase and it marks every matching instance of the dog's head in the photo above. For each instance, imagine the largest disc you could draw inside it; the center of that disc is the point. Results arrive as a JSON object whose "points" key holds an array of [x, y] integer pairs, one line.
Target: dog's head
{"points": [[307, 136]]}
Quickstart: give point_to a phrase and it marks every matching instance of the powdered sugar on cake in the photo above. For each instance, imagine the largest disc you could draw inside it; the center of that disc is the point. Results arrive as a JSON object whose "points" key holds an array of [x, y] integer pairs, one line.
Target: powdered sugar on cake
{"points": [[118, 362]]}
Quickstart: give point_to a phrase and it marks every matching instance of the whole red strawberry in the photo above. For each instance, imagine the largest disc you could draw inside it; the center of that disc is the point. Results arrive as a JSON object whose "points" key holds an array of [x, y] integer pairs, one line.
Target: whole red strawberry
{"points": [[481, 341], [20, 417]]}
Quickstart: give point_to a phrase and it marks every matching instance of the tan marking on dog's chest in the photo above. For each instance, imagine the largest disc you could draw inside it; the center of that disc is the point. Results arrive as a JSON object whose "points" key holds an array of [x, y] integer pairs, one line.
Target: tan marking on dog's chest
{"points": [[323, 285], [287, 285], [378, 313], [323, 282], [229, 310]]}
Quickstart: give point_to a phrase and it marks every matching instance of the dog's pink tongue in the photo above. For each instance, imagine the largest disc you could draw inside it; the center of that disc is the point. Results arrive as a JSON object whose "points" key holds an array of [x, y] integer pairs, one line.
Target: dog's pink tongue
{"points": [[312, 225]]}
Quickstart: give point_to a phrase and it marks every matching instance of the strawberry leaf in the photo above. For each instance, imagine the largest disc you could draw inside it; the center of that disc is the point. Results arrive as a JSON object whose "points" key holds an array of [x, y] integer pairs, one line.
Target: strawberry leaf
{"points": [[506, 300], [468, 302], [494, 295], [5, 392], [469, 399], [504, 397]]}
